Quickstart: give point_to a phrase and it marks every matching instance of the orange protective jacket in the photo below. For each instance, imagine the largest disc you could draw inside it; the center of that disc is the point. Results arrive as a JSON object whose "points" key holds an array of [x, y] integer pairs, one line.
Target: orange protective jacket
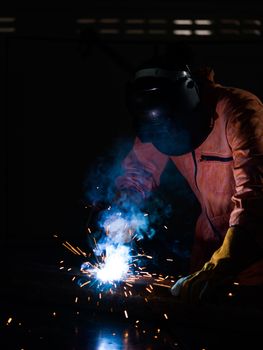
{"points": [[225, 172]]}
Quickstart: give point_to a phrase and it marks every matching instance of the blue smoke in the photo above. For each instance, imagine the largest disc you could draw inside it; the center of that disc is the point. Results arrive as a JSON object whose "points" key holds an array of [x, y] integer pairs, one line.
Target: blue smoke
{"points": [[100, 190], [99, 181]]}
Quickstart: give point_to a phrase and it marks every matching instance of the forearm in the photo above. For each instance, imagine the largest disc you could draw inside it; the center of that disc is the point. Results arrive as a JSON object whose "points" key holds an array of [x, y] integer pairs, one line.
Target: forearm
{"points": [[142, 169]]}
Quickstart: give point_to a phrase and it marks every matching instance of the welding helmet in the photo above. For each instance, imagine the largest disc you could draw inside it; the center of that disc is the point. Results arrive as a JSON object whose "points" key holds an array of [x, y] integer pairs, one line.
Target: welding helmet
{"points": [[164, 102]]}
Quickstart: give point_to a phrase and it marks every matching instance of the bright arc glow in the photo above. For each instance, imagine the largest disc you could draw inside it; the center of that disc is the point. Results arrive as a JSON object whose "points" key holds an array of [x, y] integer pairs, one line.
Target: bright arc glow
{"points": [[116, 264]]}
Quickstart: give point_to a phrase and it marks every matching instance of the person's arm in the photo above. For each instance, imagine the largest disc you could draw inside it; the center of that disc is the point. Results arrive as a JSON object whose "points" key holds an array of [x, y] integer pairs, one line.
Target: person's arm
{"points": [[142, 169], [245, 137], [242, 245]]}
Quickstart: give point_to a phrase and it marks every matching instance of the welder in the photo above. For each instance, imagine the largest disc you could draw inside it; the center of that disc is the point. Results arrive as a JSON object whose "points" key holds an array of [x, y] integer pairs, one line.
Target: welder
{"points": [[214, 136]]}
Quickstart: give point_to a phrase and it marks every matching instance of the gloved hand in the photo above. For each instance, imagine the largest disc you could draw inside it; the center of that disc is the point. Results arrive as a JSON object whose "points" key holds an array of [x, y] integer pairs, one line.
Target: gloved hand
{"points": [[119, 221], [237, 252]]}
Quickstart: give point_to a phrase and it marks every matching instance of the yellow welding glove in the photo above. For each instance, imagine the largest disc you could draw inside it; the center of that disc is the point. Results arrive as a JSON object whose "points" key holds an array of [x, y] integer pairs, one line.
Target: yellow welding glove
{"points": [[238, 251]]}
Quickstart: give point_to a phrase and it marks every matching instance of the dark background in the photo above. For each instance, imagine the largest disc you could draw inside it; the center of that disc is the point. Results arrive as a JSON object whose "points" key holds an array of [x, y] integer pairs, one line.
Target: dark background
{"points": [[63, 120]]}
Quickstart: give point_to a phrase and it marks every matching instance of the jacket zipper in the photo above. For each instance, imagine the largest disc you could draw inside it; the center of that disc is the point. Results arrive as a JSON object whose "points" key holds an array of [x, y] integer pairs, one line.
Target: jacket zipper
{"points": [[216, 232], [215, 158]]}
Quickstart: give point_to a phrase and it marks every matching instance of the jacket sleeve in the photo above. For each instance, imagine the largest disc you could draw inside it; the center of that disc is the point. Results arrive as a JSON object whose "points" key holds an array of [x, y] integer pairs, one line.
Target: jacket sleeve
{"points": [[142, 168], [245, 136]]}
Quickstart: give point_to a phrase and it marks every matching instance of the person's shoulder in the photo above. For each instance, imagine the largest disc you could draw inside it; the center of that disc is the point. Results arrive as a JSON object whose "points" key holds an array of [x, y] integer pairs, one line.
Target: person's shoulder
{"points": [[233, 92], [235, 98], [237, 104], [207, 78]]}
